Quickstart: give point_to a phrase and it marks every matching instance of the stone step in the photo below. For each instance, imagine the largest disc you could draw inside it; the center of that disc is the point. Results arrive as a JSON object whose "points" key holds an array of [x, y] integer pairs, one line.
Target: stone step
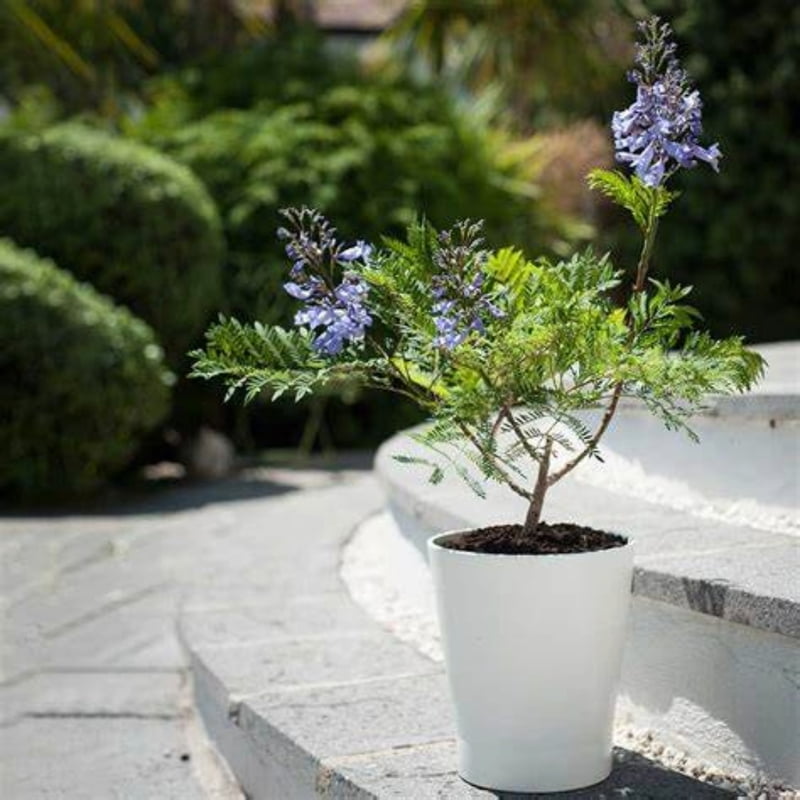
{"points": [[306, 696]]}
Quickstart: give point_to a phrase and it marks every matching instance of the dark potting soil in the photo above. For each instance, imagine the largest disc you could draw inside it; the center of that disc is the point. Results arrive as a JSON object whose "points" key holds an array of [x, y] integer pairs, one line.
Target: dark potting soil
{"points": [[560, 538]]}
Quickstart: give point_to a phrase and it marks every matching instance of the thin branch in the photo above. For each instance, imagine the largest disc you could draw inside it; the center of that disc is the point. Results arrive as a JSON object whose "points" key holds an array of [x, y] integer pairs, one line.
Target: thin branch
{"points": [[410, 389], [520, 434], [641, 275], [515, 487], [402, 392], [498, 420], [592, 443], [647, 251]]}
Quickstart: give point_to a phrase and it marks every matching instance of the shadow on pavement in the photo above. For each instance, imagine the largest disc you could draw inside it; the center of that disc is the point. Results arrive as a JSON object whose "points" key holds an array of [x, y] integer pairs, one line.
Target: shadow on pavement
{"points": [[253, 481], [635, 777]]}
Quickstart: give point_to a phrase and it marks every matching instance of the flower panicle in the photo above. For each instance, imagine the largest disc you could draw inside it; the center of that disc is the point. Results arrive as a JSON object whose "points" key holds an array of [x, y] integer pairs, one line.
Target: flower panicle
{"points": [[336, 312], [461, 305], [660, 131], [656, 53]]}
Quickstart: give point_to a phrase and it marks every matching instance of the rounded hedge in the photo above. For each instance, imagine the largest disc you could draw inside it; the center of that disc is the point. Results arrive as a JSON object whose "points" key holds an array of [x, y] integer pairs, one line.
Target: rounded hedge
{"points": [[132, 222], [81, 380]]}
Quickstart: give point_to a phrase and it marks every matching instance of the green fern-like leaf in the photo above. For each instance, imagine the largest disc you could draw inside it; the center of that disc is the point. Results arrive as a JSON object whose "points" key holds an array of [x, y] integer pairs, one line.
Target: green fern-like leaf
{"points": [[256, 358], [510, 268], [645, 203]]}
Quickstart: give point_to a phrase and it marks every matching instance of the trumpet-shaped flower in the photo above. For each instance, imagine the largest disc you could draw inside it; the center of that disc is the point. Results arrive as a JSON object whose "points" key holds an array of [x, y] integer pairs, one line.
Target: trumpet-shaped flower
{"points": [[661, 130], [336, 312]]}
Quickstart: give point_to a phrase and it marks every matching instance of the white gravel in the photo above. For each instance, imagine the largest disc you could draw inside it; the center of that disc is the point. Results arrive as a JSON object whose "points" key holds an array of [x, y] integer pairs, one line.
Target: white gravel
{"points": [[388, 577]]}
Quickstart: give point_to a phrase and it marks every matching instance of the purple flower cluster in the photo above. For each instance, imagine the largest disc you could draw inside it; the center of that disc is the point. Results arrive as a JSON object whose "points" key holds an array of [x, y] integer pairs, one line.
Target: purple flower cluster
{"points": [[661, 130], [461, 305], [337, 310]]}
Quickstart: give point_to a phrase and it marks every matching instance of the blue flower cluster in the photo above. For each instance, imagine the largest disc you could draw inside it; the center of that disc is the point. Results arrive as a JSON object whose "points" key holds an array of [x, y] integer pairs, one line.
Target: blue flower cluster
{"points": [[461, 306], [337, 310], [660, 132]]}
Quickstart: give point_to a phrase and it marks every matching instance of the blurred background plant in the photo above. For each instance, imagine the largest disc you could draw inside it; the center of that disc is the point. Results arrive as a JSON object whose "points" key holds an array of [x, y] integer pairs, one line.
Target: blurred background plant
{"points": [[97, 54], [543, 61], [81, 379], [147, 146], [122, 216]]}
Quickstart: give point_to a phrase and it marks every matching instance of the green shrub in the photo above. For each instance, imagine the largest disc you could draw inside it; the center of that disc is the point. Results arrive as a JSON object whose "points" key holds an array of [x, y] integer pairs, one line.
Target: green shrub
{"points": [[133, 223], [370, 151], [287, 66], [296, 123], [81, 380], [372, 154]]}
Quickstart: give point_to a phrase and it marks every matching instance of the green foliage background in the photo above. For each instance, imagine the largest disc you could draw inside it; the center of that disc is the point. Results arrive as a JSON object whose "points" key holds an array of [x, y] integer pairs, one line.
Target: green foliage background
{"points": [[371, 154], [132, 222], [269, 118], [289, 123], [81, 380]]}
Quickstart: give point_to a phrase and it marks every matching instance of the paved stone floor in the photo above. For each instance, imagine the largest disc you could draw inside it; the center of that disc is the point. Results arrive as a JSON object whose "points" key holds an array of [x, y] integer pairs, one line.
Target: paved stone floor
{"points": [[94, 690]]}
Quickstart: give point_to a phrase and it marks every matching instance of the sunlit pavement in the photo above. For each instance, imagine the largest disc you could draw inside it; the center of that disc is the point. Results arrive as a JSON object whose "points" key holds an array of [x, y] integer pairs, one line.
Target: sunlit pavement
{"points": [[95, 693]]}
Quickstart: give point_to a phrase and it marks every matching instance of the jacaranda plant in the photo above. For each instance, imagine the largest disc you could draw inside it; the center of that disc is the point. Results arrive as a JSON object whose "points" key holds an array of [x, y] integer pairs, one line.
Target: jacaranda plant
{"points": [[504, 353], [502, 350]]}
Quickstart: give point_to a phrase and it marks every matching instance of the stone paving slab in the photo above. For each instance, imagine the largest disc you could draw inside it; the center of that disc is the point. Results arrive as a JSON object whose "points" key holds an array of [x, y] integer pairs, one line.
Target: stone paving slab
{"points": [[94, 683], [770, 574], [285, 618], [98, 693], [138, 634], [92, 758], [395, 710], [251, 668]]}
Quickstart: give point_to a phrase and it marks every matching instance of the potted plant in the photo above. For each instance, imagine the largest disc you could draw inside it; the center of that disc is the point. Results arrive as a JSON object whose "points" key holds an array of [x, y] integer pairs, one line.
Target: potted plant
{"points": [[504, 352]]}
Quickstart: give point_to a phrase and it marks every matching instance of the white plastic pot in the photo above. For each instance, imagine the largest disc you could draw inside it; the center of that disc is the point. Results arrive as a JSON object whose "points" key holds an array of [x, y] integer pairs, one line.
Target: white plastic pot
{"points": [[533, 647]]}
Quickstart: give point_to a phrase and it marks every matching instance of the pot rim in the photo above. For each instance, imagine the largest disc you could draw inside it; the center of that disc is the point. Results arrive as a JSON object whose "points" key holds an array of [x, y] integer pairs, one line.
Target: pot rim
{"points": [[433, 544]]}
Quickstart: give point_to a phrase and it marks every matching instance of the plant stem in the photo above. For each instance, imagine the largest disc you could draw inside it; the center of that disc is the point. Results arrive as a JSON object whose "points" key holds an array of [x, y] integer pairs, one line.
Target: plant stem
{"points": [[507, 479], [519, 433], [592, 443], [539, 491], [641, 276], [647, 251], [499, 419], [313, 426]]}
